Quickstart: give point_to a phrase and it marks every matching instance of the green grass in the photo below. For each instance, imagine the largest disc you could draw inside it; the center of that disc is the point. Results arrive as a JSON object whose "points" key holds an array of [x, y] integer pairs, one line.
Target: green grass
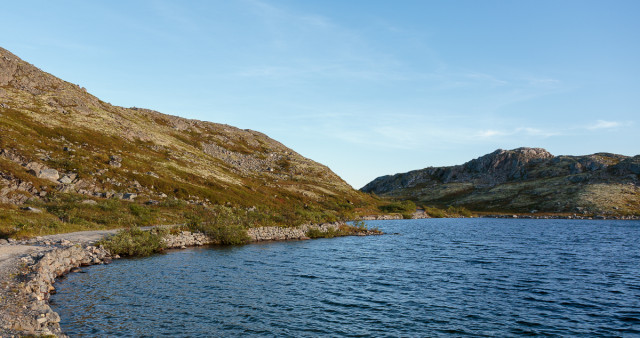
{"points": [[66, 213]]}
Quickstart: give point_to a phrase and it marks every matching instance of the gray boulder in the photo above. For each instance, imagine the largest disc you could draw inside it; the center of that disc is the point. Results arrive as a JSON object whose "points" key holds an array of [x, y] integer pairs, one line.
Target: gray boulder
{"points": [[35, 166], [49, 174], [129, 196], [32, 209], [65, 180], [115, 161]]}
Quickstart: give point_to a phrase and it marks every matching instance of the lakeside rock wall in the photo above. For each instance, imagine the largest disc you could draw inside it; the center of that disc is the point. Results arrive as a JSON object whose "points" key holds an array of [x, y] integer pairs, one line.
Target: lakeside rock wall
{"points": [[184, 239], [30, 310], [381, 217], [281, 234], [420, 214]]}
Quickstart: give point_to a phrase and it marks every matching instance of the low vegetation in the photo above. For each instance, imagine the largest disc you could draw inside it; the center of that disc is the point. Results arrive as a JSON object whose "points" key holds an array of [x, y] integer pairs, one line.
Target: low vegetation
{"points": [[357, 227], [405, 208], [450, 211], [134, 242], [223, 225], [71, 212]]}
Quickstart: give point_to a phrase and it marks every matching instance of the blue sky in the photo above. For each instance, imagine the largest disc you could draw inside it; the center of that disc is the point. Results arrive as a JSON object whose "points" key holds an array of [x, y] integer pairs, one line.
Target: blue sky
{"points": [[366, 87]]}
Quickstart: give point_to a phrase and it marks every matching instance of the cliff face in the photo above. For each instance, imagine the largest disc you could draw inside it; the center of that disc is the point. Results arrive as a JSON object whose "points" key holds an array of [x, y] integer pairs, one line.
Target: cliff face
{"points": [[57, 138], [522, 180]]}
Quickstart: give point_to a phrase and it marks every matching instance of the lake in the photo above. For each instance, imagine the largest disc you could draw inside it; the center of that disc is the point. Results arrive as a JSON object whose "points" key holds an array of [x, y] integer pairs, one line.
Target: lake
{"points": [[432, 277]]}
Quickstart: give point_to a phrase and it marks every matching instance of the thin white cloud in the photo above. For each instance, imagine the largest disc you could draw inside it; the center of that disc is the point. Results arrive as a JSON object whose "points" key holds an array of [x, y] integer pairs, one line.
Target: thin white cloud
{"points": [[486, 79], [526, 131], [602, 124], [490, 133], [543, 81]]}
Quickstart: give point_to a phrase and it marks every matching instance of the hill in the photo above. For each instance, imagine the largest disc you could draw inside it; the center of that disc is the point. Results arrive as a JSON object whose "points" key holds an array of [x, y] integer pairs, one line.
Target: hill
{"points": [[67, 157], [524, 180]]}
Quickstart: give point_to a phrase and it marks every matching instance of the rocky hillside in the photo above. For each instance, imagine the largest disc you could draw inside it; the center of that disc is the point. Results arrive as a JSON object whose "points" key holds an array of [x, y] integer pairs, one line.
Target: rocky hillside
{"points": [[524, 180], [55, 138]]}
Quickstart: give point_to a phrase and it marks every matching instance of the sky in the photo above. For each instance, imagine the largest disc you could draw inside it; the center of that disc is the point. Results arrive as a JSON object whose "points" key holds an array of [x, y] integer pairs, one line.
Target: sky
{"points": [[368, 88]]}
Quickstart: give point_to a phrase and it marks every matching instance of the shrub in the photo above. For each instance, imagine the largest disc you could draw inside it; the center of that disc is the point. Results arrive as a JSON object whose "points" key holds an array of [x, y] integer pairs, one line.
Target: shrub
{"points": [[404, 207], [435, 212], [133, 242], [358, 227], [458, 211], [221, 224]]}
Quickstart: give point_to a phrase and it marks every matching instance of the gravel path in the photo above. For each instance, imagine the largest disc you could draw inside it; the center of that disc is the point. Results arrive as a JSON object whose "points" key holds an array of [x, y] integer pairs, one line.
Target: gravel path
{"points": [[13, 251]]}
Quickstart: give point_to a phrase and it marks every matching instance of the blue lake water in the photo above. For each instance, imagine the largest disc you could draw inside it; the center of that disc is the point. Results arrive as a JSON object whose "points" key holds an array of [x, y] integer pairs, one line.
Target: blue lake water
{"points": [[437, 277]]}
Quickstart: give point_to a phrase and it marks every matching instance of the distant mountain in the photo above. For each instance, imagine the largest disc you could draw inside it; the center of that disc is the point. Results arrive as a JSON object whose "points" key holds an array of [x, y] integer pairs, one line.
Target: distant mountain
{"points": [[522, 180], [57, 138]]}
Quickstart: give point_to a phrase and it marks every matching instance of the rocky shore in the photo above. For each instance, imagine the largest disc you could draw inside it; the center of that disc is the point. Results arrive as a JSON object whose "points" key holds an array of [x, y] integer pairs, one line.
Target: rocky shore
{"points": [[420, 214], [631, 217], [28, 270], [25, 292]]}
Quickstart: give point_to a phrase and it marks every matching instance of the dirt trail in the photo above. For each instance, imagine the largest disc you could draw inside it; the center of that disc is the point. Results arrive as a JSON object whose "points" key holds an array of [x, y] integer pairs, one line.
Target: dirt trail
{"points": [[12, 251]]}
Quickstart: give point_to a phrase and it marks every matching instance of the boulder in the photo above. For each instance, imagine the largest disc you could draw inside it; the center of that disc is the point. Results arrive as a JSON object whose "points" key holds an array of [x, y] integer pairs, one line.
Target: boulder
{"points": [[35, 166], [49, 174], [32, 209], [129, 196], [114, 161], [65, 180]]}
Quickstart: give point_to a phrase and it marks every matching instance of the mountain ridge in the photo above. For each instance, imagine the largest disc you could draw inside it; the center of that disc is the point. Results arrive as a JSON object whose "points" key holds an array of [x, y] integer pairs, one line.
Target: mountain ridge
{"points": [[521, 180]]}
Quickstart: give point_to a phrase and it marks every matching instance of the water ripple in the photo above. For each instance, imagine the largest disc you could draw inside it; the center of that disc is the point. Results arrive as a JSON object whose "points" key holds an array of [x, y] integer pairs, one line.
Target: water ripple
{"points": [[441, 277]]}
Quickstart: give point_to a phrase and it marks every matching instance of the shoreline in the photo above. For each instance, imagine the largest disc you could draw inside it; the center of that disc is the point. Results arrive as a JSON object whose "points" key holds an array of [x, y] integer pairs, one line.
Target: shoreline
{"points": [[29, 269], [579, 217], [424, 215]]}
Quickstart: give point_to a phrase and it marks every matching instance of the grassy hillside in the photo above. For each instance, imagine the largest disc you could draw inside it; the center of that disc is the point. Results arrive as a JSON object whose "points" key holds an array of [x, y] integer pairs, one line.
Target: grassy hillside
{"points": [[85, 164]]}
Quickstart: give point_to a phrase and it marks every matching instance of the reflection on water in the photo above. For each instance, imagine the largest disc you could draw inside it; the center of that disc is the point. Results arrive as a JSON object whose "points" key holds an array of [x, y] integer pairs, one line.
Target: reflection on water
{"points": [[491, 277]]}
